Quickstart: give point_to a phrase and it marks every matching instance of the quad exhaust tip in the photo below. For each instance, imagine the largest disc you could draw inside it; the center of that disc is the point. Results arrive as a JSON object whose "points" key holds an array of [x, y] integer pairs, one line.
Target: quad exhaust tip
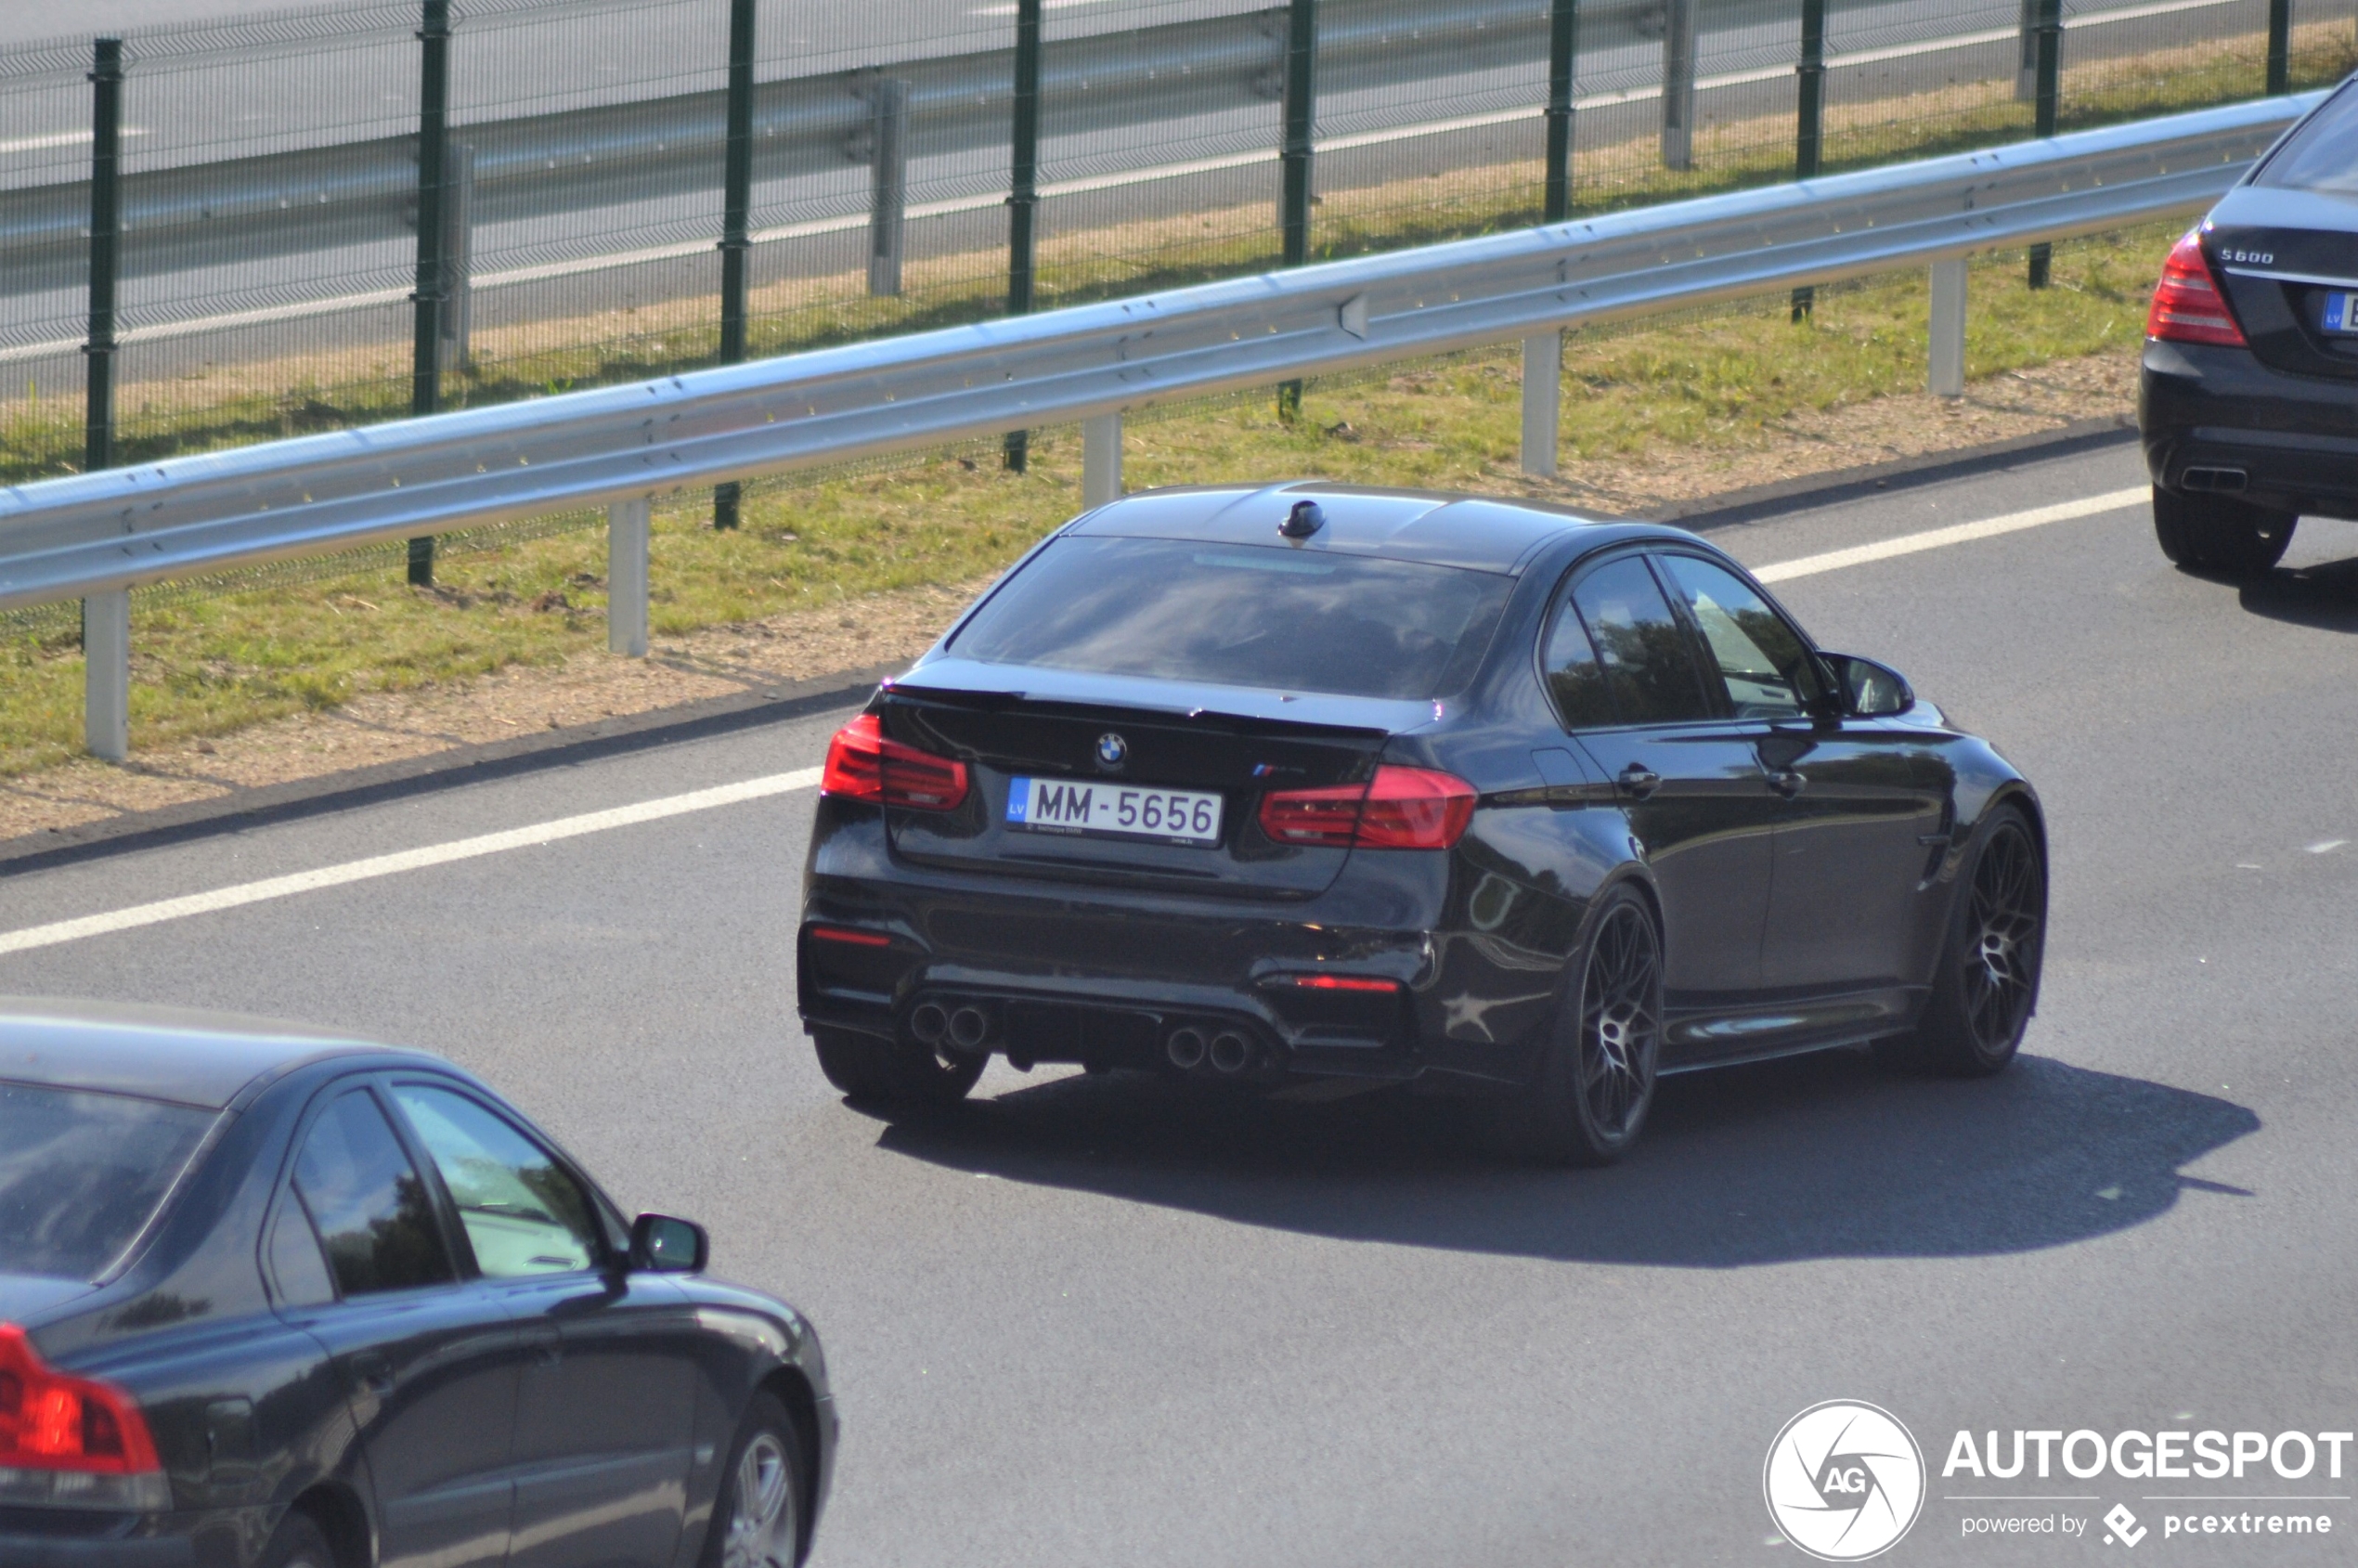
{"points": [[1185, 1048], [969, 1027], [1231, 1052], [928, 1023]]}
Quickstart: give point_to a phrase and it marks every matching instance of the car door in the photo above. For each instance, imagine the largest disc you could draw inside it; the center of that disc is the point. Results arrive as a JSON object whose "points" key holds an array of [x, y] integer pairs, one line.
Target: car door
{"points": [[1628, 684], [605, 1411], [429, 1361], [1865, 800]]}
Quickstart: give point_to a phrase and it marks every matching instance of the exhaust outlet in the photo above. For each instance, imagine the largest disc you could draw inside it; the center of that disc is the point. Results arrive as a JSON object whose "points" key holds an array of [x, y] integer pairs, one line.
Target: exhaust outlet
{"points": [[1231, 1052], [968, 1028], [2215, 481], [1185, 1048], [928, 1023]]}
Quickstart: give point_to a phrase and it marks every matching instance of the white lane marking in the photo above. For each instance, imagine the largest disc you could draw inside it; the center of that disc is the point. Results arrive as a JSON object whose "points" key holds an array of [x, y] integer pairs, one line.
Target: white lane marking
{"points": [[2327, 847], [407, 860], [1961, 533]]}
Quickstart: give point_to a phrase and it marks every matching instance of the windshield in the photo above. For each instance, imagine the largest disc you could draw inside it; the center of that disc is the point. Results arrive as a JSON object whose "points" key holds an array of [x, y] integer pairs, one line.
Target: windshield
{"points": [[81, 1173], [2322, 155], [1290, 619]]}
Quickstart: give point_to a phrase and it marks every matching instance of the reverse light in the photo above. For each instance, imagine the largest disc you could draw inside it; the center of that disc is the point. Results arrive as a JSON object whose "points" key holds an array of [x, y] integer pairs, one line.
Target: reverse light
{"points": [[71, 1442], [2187, 305], [1399, 809], [863, 765]]}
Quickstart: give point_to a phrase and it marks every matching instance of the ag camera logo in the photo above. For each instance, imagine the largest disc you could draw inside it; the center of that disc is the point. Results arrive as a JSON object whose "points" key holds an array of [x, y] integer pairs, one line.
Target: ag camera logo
{"points": [[1844, 1480]]}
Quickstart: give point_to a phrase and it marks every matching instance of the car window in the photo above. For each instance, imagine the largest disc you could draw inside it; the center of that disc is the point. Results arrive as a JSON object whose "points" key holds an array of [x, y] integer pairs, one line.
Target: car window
{"points": [[1648, 659], [298, 1274], [1575, 679], [82, 1173], [375, 1219], [522, 1212], [1761, 660], [2322, 153]]}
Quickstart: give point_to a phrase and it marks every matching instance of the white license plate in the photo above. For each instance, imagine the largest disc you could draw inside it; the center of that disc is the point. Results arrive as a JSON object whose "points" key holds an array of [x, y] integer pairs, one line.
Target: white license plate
{"points": [[1174, 816], [2341, 313]]}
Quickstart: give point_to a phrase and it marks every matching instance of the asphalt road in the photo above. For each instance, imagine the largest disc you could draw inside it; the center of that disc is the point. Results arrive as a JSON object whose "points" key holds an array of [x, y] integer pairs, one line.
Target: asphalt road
{"points": [[1099, 1321]]}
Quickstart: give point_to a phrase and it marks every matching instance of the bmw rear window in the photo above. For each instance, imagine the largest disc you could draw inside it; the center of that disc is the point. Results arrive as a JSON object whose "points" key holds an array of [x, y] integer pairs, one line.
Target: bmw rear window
{"points": [[1297, 620], [82, 1174], [2322, 154]]}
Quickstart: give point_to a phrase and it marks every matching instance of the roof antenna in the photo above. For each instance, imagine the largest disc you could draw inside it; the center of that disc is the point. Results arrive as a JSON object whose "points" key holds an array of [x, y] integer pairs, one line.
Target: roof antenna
{"points": [[1304, 520]]}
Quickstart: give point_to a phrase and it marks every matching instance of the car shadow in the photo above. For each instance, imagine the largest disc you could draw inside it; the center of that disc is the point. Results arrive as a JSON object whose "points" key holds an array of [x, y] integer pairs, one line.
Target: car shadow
{"points": [[1813, 1157], [2324, 595]]}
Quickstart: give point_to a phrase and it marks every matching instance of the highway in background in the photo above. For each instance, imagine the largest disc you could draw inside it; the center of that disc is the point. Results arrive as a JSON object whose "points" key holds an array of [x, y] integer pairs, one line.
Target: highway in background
{"points": [[1087, 1321]]}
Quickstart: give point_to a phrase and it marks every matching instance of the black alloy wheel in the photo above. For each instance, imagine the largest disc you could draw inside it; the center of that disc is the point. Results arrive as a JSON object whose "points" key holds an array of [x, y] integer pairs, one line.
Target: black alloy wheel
{"points": [[1987, 982], [1596, 1079], [2215, 534], [866, 1068], [756, 1520]]}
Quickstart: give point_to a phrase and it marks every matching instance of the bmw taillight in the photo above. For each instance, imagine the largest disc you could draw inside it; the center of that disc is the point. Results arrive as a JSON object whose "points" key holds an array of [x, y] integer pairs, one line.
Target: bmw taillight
{"points": [[864, 765], [1399, 809], [2187, 305], [71, 1441]]}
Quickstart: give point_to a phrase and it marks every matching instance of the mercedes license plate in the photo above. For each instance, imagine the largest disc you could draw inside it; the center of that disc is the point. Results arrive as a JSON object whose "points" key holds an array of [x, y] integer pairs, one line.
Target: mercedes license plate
{"points": [[2341, 313], [1115, 811]]}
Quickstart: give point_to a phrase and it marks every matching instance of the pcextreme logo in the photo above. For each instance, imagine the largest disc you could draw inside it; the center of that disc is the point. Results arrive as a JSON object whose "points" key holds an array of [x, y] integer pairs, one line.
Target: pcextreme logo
{"points": [[1844, 1480]]}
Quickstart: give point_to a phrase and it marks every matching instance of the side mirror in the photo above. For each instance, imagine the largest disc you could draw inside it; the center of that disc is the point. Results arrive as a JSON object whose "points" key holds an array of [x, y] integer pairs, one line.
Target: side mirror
{"points": [[660, 1244], [1870, 689]]}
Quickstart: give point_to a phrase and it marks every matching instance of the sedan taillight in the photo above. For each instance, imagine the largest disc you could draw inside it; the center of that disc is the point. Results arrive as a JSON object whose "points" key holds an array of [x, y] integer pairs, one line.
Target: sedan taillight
{"points": [[863, 765], [71, 1442], [1399, 809], [2187, 305]]}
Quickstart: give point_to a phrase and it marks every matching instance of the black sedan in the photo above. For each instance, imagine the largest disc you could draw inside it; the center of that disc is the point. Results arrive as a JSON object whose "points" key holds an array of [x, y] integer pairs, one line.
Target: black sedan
{"points": [[2248, 399], [1254, 783], [276, 1299]]}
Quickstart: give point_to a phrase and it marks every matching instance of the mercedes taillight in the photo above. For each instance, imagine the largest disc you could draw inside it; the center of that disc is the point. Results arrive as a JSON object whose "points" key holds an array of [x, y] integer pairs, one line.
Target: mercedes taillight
{"points": [[2187, 305]]}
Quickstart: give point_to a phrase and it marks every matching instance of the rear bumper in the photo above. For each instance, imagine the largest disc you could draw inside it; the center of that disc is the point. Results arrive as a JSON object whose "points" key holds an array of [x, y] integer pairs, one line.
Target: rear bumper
{"points": [[33, 1538], [2286, 442]]}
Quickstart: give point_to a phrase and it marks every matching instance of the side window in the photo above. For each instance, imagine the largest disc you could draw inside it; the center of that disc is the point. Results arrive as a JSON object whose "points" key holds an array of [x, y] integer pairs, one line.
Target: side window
{"points": [[1767, 672], [298, 1274], [522, 1214], [376, 1222], [1574, 678], [1648, 659]]}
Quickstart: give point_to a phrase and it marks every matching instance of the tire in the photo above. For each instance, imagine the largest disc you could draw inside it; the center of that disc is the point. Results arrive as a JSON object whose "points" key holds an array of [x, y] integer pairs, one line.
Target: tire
{"points": [[2212, 533], [757, 1519], [866, 1068], [1987, 986], [298, 1542], [1589, 1101]]}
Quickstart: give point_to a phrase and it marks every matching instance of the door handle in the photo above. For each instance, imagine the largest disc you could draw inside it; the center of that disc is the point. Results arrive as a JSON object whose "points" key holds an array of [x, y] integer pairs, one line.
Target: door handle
{"points": [[1788, 782], [1639, 780]]}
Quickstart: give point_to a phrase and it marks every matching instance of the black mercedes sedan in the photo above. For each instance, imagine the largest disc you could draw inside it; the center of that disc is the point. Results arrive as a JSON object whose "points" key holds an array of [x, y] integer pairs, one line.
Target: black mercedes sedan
{"points": [[1252, 784], [2248, 397], [286, 1300]]}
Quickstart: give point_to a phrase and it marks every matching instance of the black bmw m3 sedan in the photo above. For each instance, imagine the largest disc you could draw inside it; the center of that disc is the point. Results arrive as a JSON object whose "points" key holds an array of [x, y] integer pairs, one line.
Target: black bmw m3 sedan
{"points": [[1254, 784], [270, 1299]]}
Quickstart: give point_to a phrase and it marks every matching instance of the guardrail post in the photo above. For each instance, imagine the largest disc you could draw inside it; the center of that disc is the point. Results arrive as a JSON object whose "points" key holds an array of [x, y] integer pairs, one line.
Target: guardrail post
{"points": [[890, 186], [1300, 131], [1543, 370], [1678, 85], [1023, 192], [627, 577], [1810, 84], [2279, 47], [106, 226], [1946, 347], [1563, 51], [105, 681], [1100, 460], [433, 113], [736, 218], [2049, 92]]}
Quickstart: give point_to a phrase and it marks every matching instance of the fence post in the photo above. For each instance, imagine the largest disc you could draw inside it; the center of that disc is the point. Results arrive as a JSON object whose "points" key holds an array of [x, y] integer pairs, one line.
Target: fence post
{"points": [[1678, 85], [736, 218], [457, 255], [2279, 47], [106, 227], [1301, 119], [1100, 460], [1809, 86], [1543, 369], [1946, 356], [1563, 51], [2050, 90], [2026, 67], [627, 577], [890, 186], [1023, 192], [105, 681], [434, 112]]}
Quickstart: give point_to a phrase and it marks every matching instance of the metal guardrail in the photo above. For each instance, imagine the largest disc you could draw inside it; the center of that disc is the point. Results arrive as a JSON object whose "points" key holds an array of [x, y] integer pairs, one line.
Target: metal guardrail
{"points": [[95, 536]]}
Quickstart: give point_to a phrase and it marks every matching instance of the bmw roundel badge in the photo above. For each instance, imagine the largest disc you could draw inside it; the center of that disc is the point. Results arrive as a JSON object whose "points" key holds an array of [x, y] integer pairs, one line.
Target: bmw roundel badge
{"points": [[1112, 750]]}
